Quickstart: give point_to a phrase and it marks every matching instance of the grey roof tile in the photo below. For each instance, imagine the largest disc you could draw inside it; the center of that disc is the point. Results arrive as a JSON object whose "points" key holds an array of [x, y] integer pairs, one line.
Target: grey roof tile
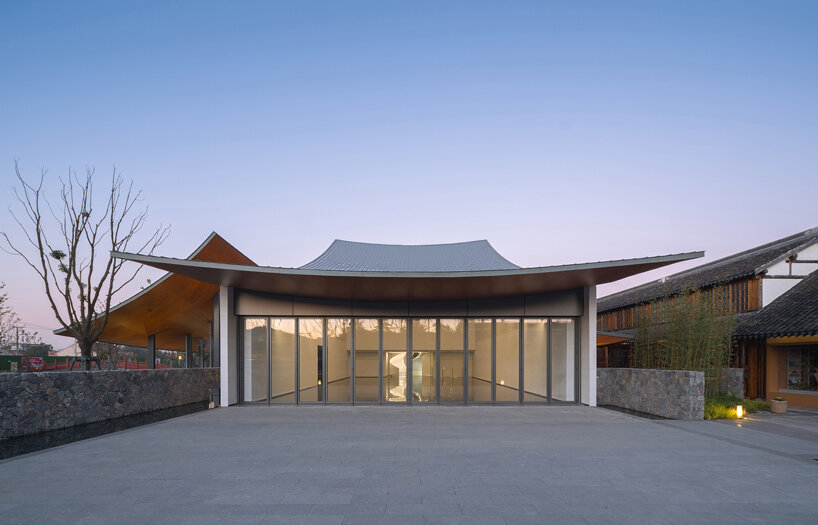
{"points": [[367, 257], [794, 313], [731, 268]]}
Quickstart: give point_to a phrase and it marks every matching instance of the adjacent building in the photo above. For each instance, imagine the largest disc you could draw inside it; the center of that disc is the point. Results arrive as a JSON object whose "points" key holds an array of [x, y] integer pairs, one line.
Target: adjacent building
{"points": [[773, 289], [378, 324]]}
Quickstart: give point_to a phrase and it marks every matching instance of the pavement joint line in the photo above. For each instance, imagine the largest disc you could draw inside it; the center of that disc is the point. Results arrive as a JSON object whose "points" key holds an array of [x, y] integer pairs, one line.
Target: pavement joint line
{"points": [[731, 441]]}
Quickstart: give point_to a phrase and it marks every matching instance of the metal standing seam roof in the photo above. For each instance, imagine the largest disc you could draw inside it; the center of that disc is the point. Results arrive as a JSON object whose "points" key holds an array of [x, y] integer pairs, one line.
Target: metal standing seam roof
{"points": [[352, 256], [731, 268]]}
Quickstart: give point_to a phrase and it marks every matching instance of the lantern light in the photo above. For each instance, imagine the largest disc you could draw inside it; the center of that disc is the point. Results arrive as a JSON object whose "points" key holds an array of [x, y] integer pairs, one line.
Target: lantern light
{"points": [[740, 411]]}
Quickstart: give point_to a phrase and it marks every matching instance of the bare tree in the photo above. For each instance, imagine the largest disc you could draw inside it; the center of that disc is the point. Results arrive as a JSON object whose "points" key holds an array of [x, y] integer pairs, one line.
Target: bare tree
{"points": [[78, 273], [13, 331], [109, 352]]}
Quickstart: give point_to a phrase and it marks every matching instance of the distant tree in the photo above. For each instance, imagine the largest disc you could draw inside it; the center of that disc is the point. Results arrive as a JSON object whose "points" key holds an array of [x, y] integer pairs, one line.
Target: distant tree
{"points": [[109, 352], [12, 329], [38, 350], [74, 263]]}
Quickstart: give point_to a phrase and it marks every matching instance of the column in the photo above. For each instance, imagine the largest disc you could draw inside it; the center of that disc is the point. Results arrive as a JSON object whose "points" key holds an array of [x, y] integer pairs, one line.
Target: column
{"points": [[228, 373], [588, 348], [188, 351], [152, 351]]}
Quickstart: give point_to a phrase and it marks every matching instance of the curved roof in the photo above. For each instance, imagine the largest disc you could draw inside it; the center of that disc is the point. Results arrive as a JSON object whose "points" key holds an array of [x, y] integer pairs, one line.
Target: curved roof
{"points": [[407, 286], [473, 256], [181, 302]]}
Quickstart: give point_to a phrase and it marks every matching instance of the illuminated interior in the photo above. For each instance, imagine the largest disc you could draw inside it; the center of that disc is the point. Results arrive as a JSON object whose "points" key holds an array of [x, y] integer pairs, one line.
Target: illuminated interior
{"points": [[365, 361]]}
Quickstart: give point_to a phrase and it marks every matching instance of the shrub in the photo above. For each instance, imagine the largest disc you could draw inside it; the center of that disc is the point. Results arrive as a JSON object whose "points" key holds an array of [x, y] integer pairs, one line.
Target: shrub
{"points": [[723, 406]]}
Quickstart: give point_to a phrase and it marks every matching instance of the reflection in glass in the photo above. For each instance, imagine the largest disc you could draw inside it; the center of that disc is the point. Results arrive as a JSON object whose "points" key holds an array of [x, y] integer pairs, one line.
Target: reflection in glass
{"points": [[255, 360], [339, 360], [282, 364], [311, 360], [394, 360], [480, 360], [563, 339], [507, 388], [424, 360], [366, 360], [535, 366], [451, 360]]}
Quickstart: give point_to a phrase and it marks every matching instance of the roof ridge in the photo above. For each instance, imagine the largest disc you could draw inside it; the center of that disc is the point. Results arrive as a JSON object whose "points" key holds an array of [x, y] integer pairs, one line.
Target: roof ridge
{"points": [[730, 267], [412, 245], [365, 256], [771, 244], [783, 240]]}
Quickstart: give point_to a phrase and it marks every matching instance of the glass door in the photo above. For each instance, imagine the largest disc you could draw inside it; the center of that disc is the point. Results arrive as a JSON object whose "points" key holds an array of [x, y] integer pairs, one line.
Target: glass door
{"points": [[311, 382], [424, 361], [535, 361]]}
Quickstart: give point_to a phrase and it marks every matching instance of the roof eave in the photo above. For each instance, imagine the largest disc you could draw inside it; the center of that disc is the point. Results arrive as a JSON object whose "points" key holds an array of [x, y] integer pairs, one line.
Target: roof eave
{"points": [[152, 260]]}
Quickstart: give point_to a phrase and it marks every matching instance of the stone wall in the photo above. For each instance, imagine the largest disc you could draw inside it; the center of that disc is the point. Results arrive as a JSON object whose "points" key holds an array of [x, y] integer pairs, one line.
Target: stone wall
{"points": [[41, 401], [735, 381], [674, 394]]}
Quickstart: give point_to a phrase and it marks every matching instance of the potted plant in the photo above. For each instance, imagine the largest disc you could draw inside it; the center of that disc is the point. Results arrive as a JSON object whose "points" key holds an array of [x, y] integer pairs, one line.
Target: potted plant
{"points": [[778, 405]]}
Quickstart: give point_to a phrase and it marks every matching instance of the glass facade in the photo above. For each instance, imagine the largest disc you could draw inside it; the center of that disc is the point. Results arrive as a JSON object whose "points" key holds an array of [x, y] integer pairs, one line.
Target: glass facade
{"points": [[393, 354], [451, 360], [507, 376], [339, 360], [801, 370], [409, 360], [311, 360], [282, 361], [424, 360], [479, 359], [535, 362], [255, 360], [563, 360], [367, 361]]}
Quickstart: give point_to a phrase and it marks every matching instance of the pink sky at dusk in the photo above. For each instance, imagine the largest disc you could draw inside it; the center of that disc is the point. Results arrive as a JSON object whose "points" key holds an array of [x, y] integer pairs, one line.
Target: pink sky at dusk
{"points": [[561, 133]]}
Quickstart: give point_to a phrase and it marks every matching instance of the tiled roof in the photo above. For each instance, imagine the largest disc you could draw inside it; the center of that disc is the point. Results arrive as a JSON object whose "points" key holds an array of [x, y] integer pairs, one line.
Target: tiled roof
{"points": [[365, 257], [734, 267], [794, 313]]}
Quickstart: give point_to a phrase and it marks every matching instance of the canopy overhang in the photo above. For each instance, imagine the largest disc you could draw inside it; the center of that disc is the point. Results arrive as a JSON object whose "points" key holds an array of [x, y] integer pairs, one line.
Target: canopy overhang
{"points": [[181, 302], [406, 286], [171, 307]]}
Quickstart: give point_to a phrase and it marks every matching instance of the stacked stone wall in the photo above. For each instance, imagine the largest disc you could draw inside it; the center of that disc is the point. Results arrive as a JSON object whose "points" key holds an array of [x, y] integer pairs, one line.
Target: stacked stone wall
{"points": [[674, 394], [735, 381], [42, 401]]}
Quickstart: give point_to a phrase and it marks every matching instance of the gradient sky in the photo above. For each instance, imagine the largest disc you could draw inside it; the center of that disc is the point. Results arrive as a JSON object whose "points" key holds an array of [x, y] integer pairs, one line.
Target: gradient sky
{"points": [[561, 132]]}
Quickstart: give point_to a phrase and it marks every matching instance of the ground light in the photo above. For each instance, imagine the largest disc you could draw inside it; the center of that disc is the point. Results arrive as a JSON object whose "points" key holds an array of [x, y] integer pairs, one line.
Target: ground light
{"points": [[740, 411]]}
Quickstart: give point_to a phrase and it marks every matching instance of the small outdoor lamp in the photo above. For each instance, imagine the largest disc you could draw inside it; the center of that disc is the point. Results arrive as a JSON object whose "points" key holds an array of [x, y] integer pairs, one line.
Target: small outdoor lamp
{"points": [[740, 411]]}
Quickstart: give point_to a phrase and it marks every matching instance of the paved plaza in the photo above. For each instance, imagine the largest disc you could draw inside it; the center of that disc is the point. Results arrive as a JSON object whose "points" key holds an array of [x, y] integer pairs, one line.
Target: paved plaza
{"points": [[436, 464]]}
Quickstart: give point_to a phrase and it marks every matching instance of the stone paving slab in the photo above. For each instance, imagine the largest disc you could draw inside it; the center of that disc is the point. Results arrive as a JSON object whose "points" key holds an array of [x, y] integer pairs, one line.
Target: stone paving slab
{"points": [[258, 464]]}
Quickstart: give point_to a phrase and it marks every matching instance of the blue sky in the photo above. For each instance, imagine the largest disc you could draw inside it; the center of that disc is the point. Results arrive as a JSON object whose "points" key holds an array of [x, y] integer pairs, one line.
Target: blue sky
{"points": [[562, 132]]}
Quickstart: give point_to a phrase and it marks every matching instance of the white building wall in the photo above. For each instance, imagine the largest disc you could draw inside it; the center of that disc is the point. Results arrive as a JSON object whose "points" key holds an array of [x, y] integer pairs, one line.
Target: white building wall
{"points": [[773, 288], [227, 348], [588, 348]]}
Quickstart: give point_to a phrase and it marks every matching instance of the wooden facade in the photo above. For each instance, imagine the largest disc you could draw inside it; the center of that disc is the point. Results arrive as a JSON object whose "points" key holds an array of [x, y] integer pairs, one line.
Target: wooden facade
{"points": [[743, 296]]}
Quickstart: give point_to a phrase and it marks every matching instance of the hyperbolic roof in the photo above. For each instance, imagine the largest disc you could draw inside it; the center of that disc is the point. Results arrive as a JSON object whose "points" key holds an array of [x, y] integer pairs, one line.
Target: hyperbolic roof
{"points": [[181, 302], [413, 285], [351, 256], [731, 268], [793, 313]]}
